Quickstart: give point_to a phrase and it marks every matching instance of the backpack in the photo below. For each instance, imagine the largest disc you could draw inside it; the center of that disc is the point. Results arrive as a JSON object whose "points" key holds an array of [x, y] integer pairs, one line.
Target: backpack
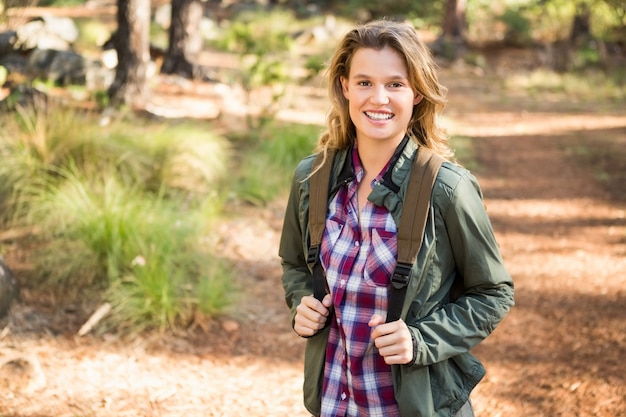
{"points": [[424, 171]]}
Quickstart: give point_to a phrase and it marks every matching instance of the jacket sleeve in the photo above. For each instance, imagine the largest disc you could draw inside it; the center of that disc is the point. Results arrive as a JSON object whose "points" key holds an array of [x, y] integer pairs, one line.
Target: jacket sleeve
{"points": [[296, 278], [458, 325]]}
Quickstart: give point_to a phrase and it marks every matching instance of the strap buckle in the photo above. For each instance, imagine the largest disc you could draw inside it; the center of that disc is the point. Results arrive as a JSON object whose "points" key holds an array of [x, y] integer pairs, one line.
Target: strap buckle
{"points": [[313, 255], [400, 277]]}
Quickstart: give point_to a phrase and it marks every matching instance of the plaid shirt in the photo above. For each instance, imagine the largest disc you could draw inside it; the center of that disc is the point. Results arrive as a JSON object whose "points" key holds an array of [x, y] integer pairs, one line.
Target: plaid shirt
{"points": [[359, 258]]}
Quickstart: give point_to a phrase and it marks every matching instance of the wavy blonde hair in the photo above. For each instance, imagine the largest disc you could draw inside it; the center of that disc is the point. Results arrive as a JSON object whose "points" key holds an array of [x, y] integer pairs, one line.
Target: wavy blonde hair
{"points": [[422, 70]]}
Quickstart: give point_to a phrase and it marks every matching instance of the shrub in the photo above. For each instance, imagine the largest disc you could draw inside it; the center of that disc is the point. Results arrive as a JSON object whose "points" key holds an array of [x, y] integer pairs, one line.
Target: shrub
{"points": [[267, 164], [123, 211], [263, 44]]}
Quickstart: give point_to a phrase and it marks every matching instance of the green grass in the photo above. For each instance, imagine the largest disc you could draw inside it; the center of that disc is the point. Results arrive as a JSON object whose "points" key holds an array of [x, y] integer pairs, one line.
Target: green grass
{"points": [[464, 152], [266, 167], [580, 86], [605, 152], [123, 211]]}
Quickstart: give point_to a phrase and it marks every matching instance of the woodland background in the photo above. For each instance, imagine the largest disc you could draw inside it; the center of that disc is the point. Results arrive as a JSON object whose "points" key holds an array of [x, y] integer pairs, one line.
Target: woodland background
{"points": [[145, 153]]}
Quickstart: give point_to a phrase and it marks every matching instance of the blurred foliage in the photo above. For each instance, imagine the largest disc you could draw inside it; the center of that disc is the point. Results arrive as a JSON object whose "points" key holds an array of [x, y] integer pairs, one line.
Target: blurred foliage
{"points": [[588, 86], [263, 43], [41, 3], [431, 12], [125, 210], [315, 65], [464, 152], [268, 159], [605, 152], [523, 21], [122, 211], [92, 35], [518, 27]]}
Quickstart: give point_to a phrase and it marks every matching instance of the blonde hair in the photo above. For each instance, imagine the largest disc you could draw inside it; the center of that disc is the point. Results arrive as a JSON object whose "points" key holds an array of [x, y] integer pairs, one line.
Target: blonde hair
{"points": [[423, 127]]}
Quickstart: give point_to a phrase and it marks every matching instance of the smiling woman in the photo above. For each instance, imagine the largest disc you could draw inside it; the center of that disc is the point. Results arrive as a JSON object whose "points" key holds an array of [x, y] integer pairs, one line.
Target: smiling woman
{"points": [[385, 98]]}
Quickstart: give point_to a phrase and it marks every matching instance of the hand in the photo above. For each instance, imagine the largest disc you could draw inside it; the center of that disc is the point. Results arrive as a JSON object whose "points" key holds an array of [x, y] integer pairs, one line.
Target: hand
{"points": [[393, 340], [311, 315]]}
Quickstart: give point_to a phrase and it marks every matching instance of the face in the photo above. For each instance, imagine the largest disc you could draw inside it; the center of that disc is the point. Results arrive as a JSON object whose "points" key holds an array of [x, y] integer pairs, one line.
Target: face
{"points": [[380, 97]]}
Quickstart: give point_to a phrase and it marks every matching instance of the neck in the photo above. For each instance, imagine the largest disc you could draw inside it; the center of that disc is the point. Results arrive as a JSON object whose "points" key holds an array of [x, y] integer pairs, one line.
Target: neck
{"points": [[374, 156]]}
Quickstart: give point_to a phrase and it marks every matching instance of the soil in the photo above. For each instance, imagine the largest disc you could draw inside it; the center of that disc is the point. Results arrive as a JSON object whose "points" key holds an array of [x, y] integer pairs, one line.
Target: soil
{"points": [[559, 216]]}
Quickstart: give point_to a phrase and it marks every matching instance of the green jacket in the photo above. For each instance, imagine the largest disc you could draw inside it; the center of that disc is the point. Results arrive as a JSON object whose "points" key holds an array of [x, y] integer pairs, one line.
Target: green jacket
{"points": [[458, 243]]}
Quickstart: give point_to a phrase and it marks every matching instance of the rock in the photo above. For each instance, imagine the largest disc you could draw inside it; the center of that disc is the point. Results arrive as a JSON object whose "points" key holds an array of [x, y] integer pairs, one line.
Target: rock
{"points": [[61, 67], [7, 42], [230, 326], [47, 32], [20, 372]]}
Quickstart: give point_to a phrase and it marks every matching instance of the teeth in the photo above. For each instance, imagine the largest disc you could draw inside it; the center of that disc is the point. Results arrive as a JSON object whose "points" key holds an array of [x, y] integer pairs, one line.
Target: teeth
{"points": [[379, 116]]}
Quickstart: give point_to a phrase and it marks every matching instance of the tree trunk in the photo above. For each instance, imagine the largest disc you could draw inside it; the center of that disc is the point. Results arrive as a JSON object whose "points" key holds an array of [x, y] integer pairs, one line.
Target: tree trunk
{"points": [[454, 20], [451, 43], [185, 40], [581, 25], [132, 43]]}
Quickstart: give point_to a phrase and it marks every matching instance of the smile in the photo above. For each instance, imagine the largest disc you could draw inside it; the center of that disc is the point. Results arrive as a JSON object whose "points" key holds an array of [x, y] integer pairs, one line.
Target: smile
{"points": [[379, 116]]}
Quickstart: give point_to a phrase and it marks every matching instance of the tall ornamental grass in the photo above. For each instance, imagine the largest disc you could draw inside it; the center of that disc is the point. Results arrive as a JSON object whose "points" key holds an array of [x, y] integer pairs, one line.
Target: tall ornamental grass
{"points": [[122, 212], [265, 170]]}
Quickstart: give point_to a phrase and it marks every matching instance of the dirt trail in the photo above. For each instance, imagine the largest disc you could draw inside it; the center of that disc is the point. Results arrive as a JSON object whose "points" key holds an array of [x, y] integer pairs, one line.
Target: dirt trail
{"points": [[559, 353]]}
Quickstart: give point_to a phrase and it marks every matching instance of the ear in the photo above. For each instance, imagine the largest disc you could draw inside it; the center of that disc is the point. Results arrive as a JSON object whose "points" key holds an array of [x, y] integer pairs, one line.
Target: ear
{"points": [[417, 99], [344, 86]]}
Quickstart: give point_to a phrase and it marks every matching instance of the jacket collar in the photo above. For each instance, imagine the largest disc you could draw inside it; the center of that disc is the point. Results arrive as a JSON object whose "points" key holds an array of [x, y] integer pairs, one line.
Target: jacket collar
{"points": [[391, 190]]}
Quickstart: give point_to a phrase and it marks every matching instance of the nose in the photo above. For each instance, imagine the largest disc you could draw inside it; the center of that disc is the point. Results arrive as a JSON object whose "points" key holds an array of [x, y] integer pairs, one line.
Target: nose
{"points": [[379, 95]]}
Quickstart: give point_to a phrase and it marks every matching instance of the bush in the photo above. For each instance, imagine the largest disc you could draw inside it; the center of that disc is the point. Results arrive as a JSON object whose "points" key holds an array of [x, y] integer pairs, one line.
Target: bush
{"points": [[123, 211], [263, 44], [268, 163]]}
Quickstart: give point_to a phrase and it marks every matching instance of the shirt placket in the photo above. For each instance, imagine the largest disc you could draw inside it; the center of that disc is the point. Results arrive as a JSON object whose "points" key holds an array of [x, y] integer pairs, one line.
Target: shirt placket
{"points": [[352, 228]]}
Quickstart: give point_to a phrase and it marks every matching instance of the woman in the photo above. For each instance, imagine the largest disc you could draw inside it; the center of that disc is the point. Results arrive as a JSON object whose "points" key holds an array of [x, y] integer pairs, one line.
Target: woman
{"points": [[385, 97]]}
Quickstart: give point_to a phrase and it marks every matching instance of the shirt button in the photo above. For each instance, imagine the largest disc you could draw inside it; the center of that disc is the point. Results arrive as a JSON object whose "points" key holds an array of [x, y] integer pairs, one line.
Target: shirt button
{"points": [[356, 243], [343, 282], [343, 395]]}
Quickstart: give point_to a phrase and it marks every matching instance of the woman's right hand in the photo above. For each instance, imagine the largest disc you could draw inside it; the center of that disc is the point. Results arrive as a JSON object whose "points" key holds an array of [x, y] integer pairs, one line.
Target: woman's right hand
{"points": [[311, 315]]}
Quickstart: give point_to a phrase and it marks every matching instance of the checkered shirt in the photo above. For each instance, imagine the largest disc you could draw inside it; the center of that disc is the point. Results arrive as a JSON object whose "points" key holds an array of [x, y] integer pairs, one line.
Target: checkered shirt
{"points": [[359, 258]]}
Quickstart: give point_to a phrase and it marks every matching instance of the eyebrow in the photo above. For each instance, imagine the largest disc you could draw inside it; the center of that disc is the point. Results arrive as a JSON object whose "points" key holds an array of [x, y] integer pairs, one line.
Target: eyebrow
{"points": [[393, 78]]}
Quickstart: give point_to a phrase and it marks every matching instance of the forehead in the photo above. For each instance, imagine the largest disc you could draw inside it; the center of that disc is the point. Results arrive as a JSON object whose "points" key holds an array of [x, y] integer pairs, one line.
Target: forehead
{"points": [[381, 62]]}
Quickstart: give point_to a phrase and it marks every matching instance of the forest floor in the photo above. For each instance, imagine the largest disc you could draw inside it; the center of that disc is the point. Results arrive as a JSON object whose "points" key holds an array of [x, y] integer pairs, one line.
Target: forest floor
{"points": [[543, 168]]}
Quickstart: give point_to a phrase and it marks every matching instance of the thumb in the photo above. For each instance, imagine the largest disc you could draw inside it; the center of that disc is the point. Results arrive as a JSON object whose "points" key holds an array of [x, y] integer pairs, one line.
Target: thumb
{"points": [[327, 301], [376, 320]]}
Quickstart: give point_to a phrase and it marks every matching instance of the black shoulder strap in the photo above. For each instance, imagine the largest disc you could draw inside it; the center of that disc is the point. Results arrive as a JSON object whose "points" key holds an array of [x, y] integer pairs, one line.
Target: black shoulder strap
{"points": [[415, 210], [410, 232], [318, 205]]}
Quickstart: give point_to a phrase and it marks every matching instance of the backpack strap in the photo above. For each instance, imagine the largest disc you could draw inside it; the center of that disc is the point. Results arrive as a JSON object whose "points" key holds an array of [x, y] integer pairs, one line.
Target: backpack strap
{"points": [[424, 171], [318, 205], [415, 210]]}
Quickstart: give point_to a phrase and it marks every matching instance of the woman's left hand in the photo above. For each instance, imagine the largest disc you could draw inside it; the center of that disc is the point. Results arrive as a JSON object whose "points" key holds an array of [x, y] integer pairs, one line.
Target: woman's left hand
{"points": [[393, 340]]}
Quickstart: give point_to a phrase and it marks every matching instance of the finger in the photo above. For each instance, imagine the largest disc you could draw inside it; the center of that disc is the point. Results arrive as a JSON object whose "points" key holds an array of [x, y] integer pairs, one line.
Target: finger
{"points": [[327, 301], [375, 320], [313, 304], [306, 327], [305, 314], [308, 320], [396, 347], [380, 328], [399, 359]]}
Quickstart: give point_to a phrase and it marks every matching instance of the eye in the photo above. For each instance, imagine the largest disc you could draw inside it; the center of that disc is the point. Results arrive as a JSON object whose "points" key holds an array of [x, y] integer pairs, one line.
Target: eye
{"points": [[364, 83], [396, 85]]}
